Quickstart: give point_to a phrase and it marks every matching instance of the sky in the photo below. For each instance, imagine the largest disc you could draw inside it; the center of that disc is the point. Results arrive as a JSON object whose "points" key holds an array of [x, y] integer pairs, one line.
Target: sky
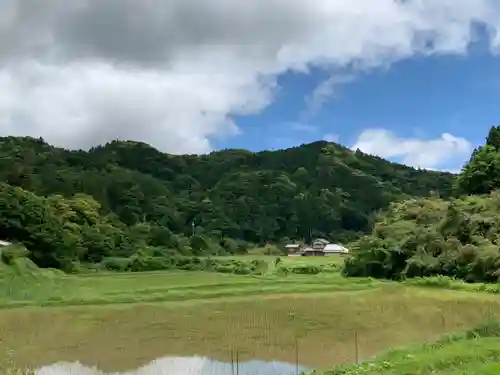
{"points": [[414, 81]]}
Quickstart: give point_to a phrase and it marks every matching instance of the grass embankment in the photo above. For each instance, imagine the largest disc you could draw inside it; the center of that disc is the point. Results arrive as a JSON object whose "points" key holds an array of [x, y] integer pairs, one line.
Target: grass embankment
{"points": [[475, 352], [33, 287], [23, 284]]}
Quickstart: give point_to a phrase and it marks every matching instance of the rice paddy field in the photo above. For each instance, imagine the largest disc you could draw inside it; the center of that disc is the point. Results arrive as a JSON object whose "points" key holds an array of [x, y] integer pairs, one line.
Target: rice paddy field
{"points": [[119, 322]]}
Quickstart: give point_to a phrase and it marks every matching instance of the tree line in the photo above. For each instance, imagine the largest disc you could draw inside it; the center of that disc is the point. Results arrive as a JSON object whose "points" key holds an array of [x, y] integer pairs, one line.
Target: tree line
{"points": [[114, 200], [457, 237]]}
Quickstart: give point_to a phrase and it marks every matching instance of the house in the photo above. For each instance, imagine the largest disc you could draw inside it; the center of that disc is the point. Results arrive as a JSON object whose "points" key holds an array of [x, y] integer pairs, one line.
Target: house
{"points": [[322, 247], [293, 249], [4, 243], [333, 249], [310, 252], [319, 243]]}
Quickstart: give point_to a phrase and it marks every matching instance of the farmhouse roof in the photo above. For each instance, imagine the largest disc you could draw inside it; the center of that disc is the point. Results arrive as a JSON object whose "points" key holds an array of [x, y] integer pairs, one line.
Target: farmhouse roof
{"points": [[322, 240], [335, 248]]}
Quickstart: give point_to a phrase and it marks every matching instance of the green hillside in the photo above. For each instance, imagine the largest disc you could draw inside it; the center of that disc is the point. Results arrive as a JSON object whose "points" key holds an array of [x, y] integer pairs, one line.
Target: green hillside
{"points": [[123, 196]]}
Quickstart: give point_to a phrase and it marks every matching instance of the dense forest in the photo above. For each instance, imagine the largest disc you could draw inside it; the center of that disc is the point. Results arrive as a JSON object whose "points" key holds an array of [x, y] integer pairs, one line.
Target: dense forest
{"points": [[458, 237], [122, 197]]}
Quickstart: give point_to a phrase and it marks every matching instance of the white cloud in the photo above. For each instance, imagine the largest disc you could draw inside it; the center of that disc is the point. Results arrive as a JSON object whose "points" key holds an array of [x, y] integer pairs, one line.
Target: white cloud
{"points": [[429, 154], [173, 72], [325, 91]]}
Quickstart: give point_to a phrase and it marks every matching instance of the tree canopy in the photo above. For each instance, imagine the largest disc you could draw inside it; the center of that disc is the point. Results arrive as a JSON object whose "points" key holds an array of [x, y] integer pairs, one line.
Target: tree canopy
{"points": [[481, 174], [123, 196], [458, 237]]}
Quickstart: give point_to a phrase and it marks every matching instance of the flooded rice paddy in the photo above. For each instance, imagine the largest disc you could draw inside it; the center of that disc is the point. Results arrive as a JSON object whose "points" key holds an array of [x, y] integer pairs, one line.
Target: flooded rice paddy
{"points": [[182, 366], [270, 334]]}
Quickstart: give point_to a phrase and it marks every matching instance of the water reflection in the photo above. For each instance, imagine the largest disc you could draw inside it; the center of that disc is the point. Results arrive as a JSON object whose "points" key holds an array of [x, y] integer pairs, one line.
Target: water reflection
{"points": [[182, 366]]}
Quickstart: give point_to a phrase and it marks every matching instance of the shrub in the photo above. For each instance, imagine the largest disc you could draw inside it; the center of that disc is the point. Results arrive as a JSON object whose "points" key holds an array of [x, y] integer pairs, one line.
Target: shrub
{"points": [[151, 264], [490, 328], [332, 267], [306, 270], [259, 266], [141, 262], [116, 264], [199, 244], [230, 245], [283, 271], [11, 252], [435, 281], [432, 237], [272, 250]]}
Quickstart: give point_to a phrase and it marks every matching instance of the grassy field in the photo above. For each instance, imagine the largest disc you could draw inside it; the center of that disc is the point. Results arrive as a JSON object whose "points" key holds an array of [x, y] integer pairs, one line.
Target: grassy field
{"points": [[40, 289], [121, 321]]}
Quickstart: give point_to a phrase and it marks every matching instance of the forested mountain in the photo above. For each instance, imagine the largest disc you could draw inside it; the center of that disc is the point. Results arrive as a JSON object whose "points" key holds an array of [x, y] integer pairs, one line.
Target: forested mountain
{"points": [[124, 192]]}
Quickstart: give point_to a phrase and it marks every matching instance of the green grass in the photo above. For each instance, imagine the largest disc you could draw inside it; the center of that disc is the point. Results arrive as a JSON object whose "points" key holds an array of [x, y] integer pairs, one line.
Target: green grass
{"points": [[476, 352], [49, 288], [481, 369], [162, 286], [464, 357]]}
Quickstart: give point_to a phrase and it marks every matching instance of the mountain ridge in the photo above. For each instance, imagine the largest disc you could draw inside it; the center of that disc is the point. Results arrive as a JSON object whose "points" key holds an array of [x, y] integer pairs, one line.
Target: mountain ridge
{"points": [[319, 189]]}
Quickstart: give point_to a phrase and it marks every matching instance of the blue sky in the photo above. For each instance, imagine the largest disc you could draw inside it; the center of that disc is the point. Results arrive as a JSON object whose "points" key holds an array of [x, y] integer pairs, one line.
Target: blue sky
{"points": [[416, 99]]}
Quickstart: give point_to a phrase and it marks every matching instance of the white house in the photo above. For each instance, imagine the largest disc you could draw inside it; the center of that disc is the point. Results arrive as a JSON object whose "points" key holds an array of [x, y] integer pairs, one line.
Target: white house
{"points": [[332, 249], [319, 243], [4, 243]]}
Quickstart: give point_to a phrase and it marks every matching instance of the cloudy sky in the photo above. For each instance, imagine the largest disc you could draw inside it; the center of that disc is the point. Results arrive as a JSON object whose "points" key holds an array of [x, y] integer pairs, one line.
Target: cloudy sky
{"points": [[416, 81]]}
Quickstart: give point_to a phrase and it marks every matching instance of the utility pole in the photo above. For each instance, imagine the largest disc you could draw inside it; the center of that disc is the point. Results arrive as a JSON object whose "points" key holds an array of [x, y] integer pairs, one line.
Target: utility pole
{"points": [[296, 355], [194, 228]]}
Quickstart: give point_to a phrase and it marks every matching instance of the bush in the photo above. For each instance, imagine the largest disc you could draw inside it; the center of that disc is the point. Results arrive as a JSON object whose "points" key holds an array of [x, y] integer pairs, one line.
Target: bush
{"points": [[141, 262], [12, 252], [432, 237], [272, 250], [116, 264], [489, 328], [199, 244], [306, 270], [435, 281], [259, 266], [283, 271], [332, 267]]}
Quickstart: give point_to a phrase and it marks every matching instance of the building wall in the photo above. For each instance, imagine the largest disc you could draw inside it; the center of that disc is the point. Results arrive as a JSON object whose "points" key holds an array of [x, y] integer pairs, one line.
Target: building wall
{"points": [[314, 253]]}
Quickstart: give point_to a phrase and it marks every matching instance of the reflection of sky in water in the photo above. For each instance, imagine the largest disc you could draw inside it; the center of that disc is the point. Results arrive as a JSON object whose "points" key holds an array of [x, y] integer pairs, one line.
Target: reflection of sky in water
{"points": [[181, 366]]}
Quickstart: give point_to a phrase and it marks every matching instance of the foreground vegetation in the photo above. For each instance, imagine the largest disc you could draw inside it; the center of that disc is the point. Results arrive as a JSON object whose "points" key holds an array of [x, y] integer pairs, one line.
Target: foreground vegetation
{"points": [[120, 321], [323, 326], [474, 352]]}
